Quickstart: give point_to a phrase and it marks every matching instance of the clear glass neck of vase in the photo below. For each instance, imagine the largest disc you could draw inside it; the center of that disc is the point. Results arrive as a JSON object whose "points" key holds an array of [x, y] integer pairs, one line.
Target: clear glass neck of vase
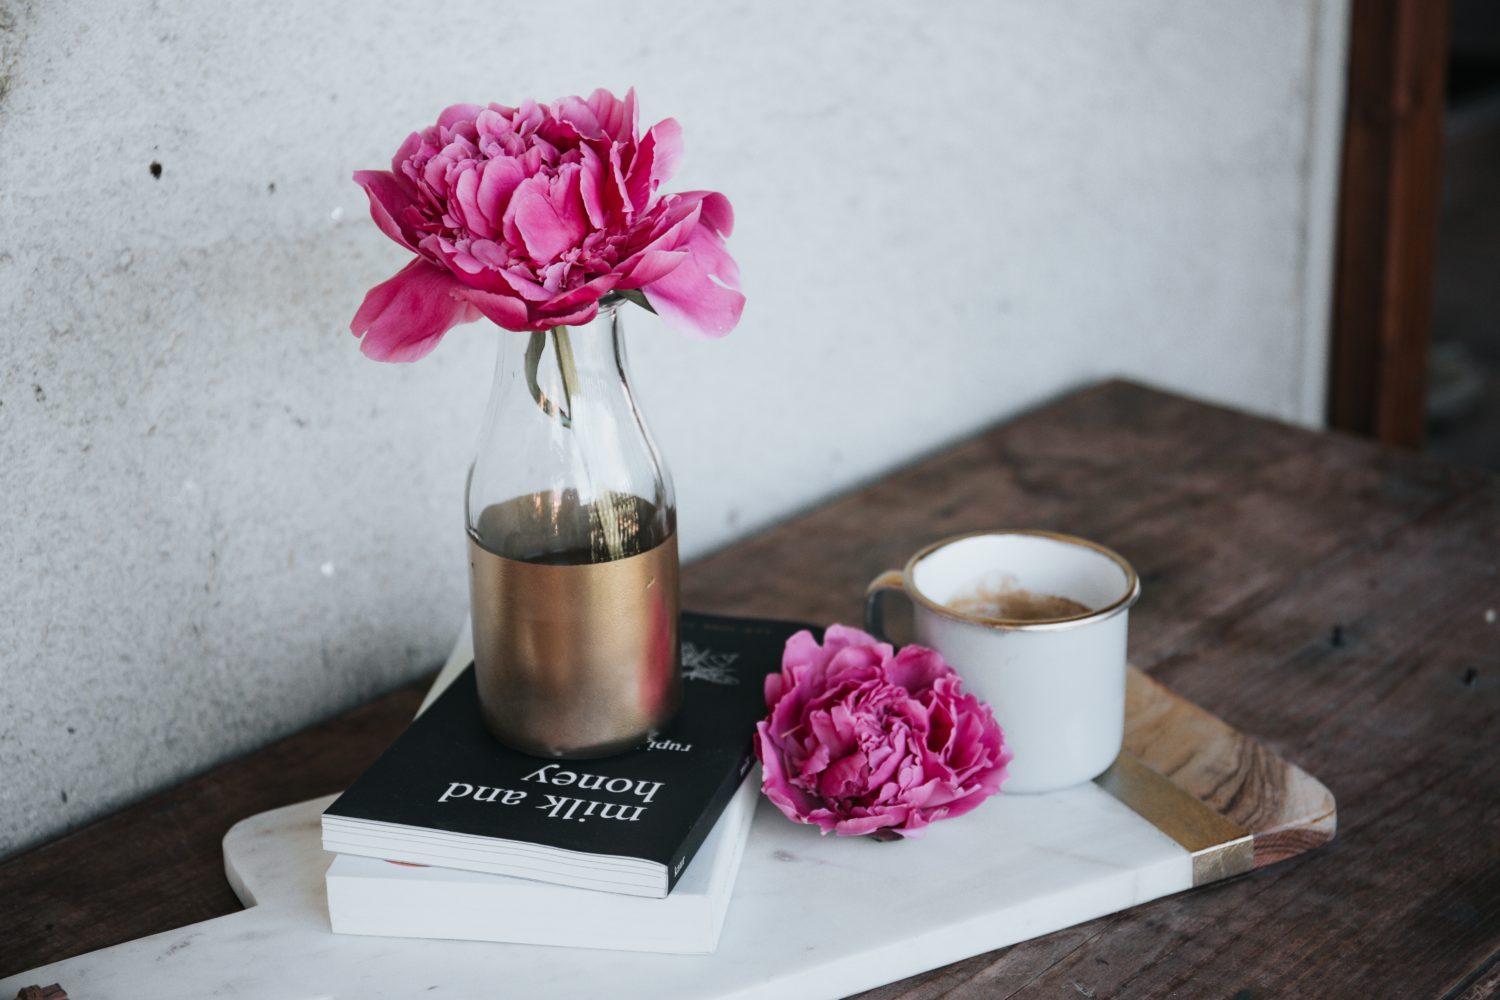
{"points": [[566, 471]]}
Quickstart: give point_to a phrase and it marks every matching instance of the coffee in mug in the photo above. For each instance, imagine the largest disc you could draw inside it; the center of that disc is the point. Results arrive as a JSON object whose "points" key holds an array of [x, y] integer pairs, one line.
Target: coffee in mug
{"points": [[1011, 603]]}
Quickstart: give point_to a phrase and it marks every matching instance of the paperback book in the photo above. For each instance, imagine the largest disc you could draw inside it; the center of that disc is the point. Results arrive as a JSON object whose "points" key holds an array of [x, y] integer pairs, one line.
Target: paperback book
{"points": [[447, 794], [366, 896]]}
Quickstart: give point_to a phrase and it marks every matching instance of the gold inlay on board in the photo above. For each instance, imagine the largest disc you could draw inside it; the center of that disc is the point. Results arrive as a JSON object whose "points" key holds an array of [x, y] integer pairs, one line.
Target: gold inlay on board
{"points": [[1220, 848]]}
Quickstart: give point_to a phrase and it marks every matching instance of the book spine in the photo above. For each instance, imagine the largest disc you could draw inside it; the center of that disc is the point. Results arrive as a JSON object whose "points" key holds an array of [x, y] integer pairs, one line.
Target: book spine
{"points": [[708, 817]]}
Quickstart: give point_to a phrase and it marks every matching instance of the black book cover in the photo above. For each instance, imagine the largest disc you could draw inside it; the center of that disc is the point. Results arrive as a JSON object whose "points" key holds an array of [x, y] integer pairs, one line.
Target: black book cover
{"points": [[656, 804]]}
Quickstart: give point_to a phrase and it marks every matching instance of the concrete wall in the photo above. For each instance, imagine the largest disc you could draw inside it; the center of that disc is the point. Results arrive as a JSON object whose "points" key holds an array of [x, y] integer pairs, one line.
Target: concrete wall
{"points": [[221, 523]]}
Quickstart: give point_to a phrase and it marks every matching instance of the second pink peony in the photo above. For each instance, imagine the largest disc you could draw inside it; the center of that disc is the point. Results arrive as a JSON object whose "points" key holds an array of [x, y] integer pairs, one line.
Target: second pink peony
{"points": [[863, 740]]}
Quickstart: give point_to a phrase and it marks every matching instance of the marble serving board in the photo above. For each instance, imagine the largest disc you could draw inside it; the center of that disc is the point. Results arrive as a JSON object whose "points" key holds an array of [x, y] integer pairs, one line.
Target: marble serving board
{"points": [[1190, 801]]}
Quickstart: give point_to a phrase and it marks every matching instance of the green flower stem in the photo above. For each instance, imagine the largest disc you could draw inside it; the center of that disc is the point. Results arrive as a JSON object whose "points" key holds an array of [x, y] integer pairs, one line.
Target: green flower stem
{"points": [[534, 348], [562, 348]]}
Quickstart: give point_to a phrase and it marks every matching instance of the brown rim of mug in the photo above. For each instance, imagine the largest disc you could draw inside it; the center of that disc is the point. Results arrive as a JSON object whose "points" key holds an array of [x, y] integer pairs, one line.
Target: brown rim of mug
{"points": [[1132, 590]]}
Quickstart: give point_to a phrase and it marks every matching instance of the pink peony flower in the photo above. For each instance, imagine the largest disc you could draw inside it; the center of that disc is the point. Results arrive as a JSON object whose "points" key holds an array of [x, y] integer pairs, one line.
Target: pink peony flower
{"points": [[861, 741], [529, 215]]}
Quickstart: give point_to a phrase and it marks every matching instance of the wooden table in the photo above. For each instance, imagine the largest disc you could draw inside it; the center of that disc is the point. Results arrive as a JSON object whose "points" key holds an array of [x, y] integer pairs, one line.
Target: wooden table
{"points": [[1336, 600]]}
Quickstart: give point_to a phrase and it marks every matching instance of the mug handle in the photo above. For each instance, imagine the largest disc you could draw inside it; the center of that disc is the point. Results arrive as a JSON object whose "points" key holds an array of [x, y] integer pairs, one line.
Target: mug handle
{"points": [[891, 579]]}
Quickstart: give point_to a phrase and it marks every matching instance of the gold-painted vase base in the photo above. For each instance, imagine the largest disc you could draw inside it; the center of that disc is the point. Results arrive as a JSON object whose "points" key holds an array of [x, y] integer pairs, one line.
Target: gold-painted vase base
{"points": [[575, 658]]}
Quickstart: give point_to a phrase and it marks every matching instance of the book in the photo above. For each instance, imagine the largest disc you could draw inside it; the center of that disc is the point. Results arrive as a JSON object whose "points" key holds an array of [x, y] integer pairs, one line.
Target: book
{"points": [[366, 896], [393, 899], [447, 794]]}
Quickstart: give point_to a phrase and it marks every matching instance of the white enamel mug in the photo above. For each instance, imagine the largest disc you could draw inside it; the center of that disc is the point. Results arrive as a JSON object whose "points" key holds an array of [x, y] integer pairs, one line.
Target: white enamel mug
{"points": [[1057, 685]]}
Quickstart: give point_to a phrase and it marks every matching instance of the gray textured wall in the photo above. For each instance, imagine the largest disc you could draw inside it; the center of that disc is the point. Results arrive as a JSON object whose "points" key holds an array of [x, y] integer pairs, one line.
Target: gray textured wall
{"points": [[222, 524]]}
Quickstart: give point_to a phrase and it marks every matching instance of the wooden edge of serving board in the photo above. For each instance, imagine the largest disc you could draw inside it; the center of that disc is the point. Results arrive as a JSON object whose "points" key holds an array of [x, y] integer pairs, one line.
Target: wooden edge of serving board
{"points": [[1232, 802]]}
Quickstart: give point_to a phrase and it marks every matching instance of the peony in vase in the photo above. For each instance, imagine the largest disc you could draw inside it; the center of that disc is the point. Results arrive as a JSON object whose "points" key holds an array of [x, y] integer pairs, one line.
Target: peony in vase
{"points": [[546, 219]]}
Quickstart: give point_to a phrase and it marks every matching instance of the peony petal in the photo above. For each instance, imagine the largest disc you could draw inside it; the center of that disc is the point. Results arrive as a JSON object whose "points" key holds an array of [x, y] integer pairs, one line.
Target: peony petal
{"points": [[406, 151], [653, 265], [544, 232], [615, 195], [858, 664], [701, 295], [466, 191], [881, 770], [566, 195], [404, 317], [630, 115], [718, 214], [616, 118], [500, 309], [435, 174], [456, 113], [656, 160], [492, 125], [589, 182], [473, 266], [802, 648], [917, 668], [844, 777], [389, 199], [971, 801], [500, 178], [582, 295], [786, 716], [774, 688], [670, 230], [522, 285], [774, 782], [839, 637], [575, 111], [864, 825], [838, 740], [545, 319], [528, 117]]}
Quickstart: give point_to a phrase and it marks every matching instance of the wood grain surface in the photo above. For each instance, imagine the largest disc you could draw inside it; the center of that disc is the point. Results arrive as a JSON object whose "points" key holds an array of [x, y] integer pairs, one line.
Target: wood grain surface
{"points": [[1284, 808], [1334, 600]]}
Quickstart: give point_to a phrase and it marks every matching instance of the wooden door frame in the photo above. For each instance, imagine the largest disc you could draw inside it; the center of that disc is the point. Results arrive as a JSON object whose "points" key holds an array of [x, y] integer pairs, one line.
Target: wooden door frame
{"points": [[1387, 227]]}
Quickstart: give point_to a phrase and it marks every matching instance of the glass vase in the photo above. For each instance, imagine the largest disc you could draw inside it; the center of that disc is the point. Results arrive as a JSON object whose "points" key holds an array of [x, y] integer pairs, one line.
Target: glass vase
{"points": [[572, 550]]}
